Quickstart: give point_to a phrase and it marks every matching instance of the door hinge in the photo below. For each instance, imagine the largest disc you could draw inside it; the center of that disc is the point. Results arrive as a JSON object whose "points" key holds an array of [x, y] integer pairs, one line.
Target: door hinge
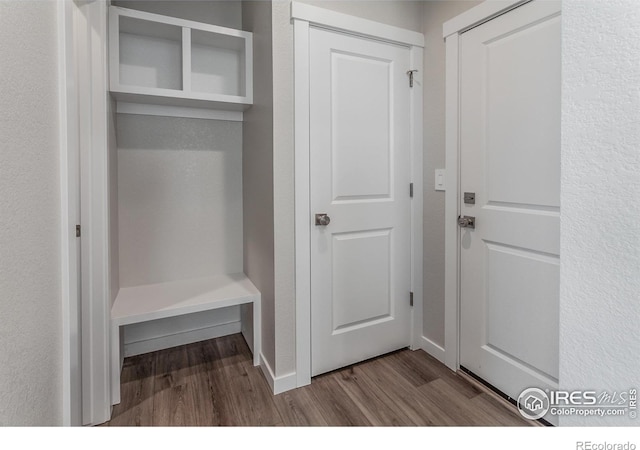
{"points": [[410, 73], [411, 190], [410, 298], [78, 231]]}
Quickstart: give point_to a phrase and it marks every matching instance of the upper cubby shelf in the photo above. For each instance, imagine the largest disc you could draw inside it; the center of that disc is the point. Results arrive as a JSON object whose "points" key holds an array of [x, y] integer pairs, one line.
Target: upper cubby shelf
{"points": [[160, 60]]}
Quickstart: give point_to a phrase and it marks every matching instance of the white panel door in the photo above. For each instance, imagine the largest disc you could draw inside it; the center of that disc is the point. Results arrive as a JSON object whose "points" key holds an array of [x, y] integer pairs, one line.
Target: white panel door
{"points": [[360, 174], [510, 159]]}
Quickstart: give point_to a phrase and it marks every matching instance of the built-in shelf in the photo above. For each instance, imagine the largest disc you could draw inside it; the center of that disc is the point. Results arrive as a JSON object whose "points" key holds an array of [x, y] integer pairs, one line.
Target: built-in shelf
{"points": [[165, 66], [158, 301], [169, 62]]}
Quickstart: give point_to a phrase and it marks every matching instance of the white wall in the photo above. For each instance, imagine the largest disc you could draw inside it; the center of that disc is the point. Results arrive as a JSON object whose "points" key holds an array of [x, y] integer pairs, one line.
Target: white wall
{"points": [[283, 192], [435, 14], [179, 198], [30, 321], [257, 171], [600, 225]]}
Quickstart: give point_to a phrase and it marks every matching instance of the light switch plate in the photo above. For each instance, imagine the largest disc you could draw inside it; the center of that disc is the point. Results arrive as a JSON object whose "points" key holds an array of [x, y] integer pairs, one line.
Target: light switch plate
{"points": [[440, 179]]}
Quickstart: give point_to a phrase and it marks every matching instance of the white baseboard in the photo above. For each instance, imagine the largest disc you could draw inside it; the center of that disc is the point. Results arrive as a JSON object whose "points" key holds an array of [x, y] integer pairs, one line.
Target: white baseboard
{"points": [[182, 338], [279, 384], [433, 349], [285, 383], [266, 370]]}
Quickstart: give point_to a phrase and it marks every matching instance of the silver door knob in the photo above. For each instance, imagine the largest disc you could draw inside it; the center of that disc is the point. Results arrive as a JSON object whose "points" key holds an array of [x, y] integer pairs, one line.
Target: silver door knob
{"points": [[467, 221], [322, 219]]}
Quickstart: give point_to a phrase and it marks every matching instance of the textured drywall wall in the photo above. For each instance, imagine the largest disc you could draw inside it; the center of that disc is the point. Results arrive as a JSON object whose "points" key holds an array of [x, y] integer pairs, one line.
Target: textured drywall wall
{"points": [[30, 304], [222, 13], [600, 224], [257, 171], [283, 188], [435, 14], [399, 13], [179, 198]]}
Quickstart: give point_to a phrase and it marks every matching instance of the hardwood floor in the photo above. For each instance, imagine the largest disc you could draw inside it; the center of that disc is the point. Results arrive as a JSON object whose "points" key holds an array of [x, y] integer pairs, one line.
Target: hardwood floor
{"points": [[214, 383]]}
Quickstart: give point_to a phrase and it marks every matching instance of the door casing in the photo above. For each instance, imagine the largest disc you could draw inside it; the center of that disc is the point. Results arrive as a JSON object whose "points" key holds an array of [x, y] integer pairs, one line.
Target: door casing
{"points": [[452, 30], [82, 26], [69, 215], [306, 16]]}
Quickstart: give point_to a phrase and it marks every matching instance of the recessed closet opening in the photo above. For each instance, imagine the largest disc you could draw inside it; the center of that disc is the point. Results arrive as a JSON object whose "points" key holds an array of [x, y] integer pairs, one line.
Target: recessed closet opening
{"points": [[180, 79]]}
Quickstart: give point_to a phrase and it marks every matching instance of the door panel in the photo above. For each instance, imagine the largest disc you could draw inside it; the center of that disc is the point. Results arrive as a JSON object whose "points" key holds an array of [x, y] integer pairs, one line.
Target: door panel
{"points": [[361, 278], [510, 157], [522, 286], [360, 174], [523, 124], [360, 145]]}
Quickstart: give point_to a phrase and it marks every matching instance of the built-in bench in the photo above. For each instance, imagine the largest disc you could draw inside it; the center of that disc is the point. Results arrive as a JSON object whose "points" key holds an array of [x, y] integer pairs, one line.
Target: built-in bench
{"points": [[158, 301]]}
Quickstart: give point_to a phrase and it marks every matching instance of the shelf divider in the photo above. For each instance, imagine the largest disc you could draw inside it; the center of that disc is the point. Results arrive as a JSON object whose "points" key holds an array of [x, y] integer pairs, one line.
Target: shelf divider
{"points": [[186, 59]]}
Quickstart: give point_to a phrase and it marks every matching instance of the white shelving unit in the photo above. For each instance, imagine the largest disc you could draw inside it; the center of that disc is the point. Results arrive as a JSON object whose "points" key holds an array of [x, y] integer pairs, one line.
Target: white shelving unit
{"points": [[162, 65], [166, 66]]}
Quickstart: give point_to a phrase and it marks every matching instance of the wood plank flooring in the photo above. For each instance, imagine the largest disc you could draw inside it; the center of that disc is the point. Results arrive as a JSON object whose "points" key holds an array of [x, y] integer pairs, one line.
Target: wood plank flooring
{"points": [[213, 383]]}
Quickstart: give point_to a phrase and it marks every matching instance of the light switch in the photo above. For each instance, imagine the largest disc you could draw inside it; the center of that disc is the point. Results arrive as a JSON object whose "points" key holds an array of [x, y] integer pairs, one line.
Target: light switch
{"points": [[440, 179]]}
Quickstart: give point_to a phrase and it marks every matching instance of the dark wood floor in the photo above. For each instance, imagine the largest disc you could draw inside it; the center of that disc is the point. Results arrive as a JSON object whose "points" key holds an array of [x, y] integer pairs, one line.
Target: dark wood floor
{"points": [[214, 383]]}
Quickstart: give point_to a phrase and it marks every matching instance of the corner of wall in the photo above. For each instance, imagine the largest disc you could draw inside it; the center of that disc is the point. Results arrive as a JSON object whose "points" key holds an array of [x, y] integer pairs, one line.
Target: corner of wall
{"points": [[257, 173], [434, 16], [283, 193]]}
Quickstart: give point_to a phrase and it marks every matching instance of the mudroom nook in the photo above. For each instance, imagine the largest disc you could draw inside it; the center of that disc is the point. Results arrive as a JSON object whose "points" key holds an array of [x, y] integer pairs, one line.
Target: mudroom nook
{"points": [[179, 89]]}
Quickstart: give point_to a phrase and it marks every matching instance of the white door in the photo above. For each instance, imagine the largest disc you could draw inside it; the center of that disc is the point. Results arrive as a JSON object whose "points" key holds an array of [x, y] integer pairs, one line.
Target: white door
{"points": [[360, 175], [510, 159]]}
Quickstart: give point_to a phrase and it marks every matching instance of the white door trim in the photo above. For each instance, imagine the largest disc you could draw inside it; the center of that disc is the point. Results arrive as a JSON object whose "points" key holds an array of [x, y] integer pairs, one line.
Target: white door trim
{"points": [[69, 217], [478, 15], [355, 25], [303, 17], [302, 202], [452, 30], [96, 271], [83, 91]]}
